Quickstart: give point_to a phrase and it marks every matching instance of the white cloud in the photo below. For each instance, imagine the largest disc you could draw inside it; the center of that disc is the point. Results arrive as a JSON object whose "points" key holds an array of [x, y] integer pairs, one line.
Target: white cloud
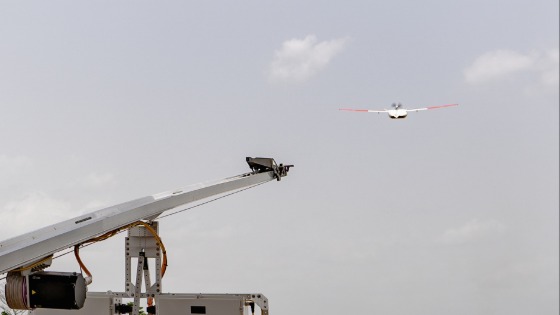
{"points": [[472, 231], [300, 59], [98, 180], [503, 64], [32, 211], [498, 64], [12, 165], [94, 206], [549, 66]]}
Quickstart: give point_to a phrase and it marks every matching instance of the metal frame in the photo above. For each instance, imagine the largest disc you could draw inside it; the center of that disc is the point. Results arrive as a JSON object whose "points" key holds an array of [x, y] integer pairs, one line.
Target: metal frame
{"points": [[245, 299], [140, 244], [108, 300], [31, 247], [32, 250]]}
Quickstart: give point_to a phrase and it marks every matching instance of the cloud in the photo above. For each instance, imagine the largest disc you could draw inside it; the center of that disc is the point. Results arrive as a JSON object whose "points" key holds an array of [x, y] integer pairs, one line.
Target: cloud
{"points": [[549, 67], [98, 180], [300, 59], [94, 205], [503, 64], [32, 211], [12, 165], [497, 64], [472, 231]]}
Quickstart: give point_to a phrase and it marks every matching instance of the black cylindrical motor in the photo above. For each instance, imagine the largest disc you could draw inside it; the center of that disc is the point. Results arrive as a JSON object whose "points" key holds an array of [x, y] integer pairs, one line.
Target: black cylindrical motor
{"points": [[58, 290]]}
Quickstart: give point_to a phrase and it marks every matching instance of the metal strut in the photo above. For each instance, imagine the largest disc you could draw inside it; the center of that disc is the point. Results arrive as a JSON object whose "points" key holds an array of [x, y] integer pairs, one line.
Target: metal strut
{"points": [[142, 245]]}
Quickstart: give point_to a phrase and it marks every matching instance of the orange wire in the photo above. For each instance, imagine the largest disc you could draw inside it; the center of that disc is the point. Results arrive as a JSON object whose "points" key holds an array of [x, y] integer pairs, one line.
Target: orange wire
{"points": [[113, 233], [82, 266], [160, 243]]}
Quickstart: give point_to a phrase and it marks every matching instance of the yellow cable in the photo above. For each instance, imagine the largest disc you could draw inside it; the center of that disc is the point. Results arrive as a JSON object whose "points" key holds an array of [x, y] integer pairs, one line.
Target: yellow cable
{"points": [[89, 278], [111, 234], [160, 243], [40, 262]]}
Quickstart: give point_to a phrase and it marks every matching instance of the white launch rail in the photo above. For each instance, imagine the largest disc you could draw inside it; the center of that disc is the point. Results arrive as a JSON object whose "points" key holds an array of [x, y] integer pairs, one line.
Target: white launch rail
{"points": [[29, 248]]}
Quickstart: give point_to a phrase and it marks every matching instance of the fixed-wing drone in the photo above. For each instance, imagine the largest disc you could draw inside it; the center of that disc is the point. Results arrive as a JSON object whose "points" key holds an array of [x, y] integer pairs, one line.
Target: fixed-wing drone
{"points": [[398, 112]]}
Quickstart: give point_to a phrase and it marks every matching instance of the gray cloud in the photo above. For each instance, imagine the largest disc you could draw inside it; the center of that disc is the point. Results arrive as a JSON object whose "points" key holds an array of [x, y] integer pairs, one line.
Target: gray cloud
{"points": [[472, 231], [10, 165], [100, 179], [32, 211]]}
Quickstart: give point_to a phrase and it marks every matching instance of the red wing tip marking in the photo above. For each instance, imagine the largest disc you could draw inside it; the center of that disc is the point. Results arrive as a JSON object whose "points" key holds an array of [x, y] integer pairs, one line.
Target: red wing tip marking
{"points": [[353, 110], [441, 106]]}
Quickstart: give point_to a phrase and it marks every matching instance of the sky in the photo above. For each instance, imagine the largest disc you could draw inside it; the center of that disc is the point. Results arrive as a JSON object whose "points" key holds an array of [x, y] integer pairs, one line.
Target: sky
{"points": [[451, 211]]}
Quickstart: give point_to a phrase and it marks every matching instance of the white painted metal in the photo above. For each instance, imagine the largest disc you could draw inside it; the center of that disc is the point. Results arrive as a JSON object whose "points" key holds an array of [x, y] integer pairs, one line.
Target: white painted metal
{"points": [[34, 247], [213, 304], [96, 304], [141, 242], [31, 247], [221, 306]]}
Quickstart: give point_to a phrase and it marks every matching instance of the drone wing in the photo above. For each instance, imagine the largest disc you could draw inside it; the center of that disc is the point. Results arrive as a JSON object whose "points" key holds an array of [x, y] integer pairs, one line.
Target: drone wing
{"points": [[364, 110], [430, 107]]}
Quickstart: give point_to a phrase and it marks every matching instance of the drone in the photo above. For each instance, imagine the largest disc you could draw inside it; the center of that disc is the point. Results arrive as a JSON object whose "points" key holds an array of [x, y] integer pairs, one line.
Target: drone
{"points": [[397, 112]]}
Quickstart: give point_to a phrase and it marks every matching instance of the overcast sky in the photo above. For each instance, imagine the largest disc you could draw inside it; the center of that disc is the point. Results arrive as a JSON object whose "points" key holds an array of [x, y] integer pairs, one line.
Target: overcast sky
{"points": [[452, 211]]}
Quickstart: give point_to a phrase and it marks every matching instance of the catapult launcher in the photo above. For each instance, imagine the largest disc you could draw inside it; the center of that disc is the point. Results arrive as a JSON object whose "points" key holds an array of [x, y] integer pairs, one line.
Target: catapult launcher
{"points": [[25, 258]]}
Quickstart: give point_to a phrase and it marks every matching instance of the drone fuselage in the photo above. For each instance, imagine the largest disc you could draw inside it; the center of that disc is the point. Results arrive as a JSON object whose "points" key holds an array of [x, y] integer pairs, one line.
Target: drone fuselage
{"points": [[397, 113]]}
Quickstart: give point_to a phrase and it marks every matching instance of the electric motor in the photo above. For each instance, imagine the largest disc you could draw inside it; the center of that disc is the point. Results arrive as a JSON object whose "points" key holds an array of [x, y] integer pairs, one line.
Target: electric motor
{"points": [[57, 290]]}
